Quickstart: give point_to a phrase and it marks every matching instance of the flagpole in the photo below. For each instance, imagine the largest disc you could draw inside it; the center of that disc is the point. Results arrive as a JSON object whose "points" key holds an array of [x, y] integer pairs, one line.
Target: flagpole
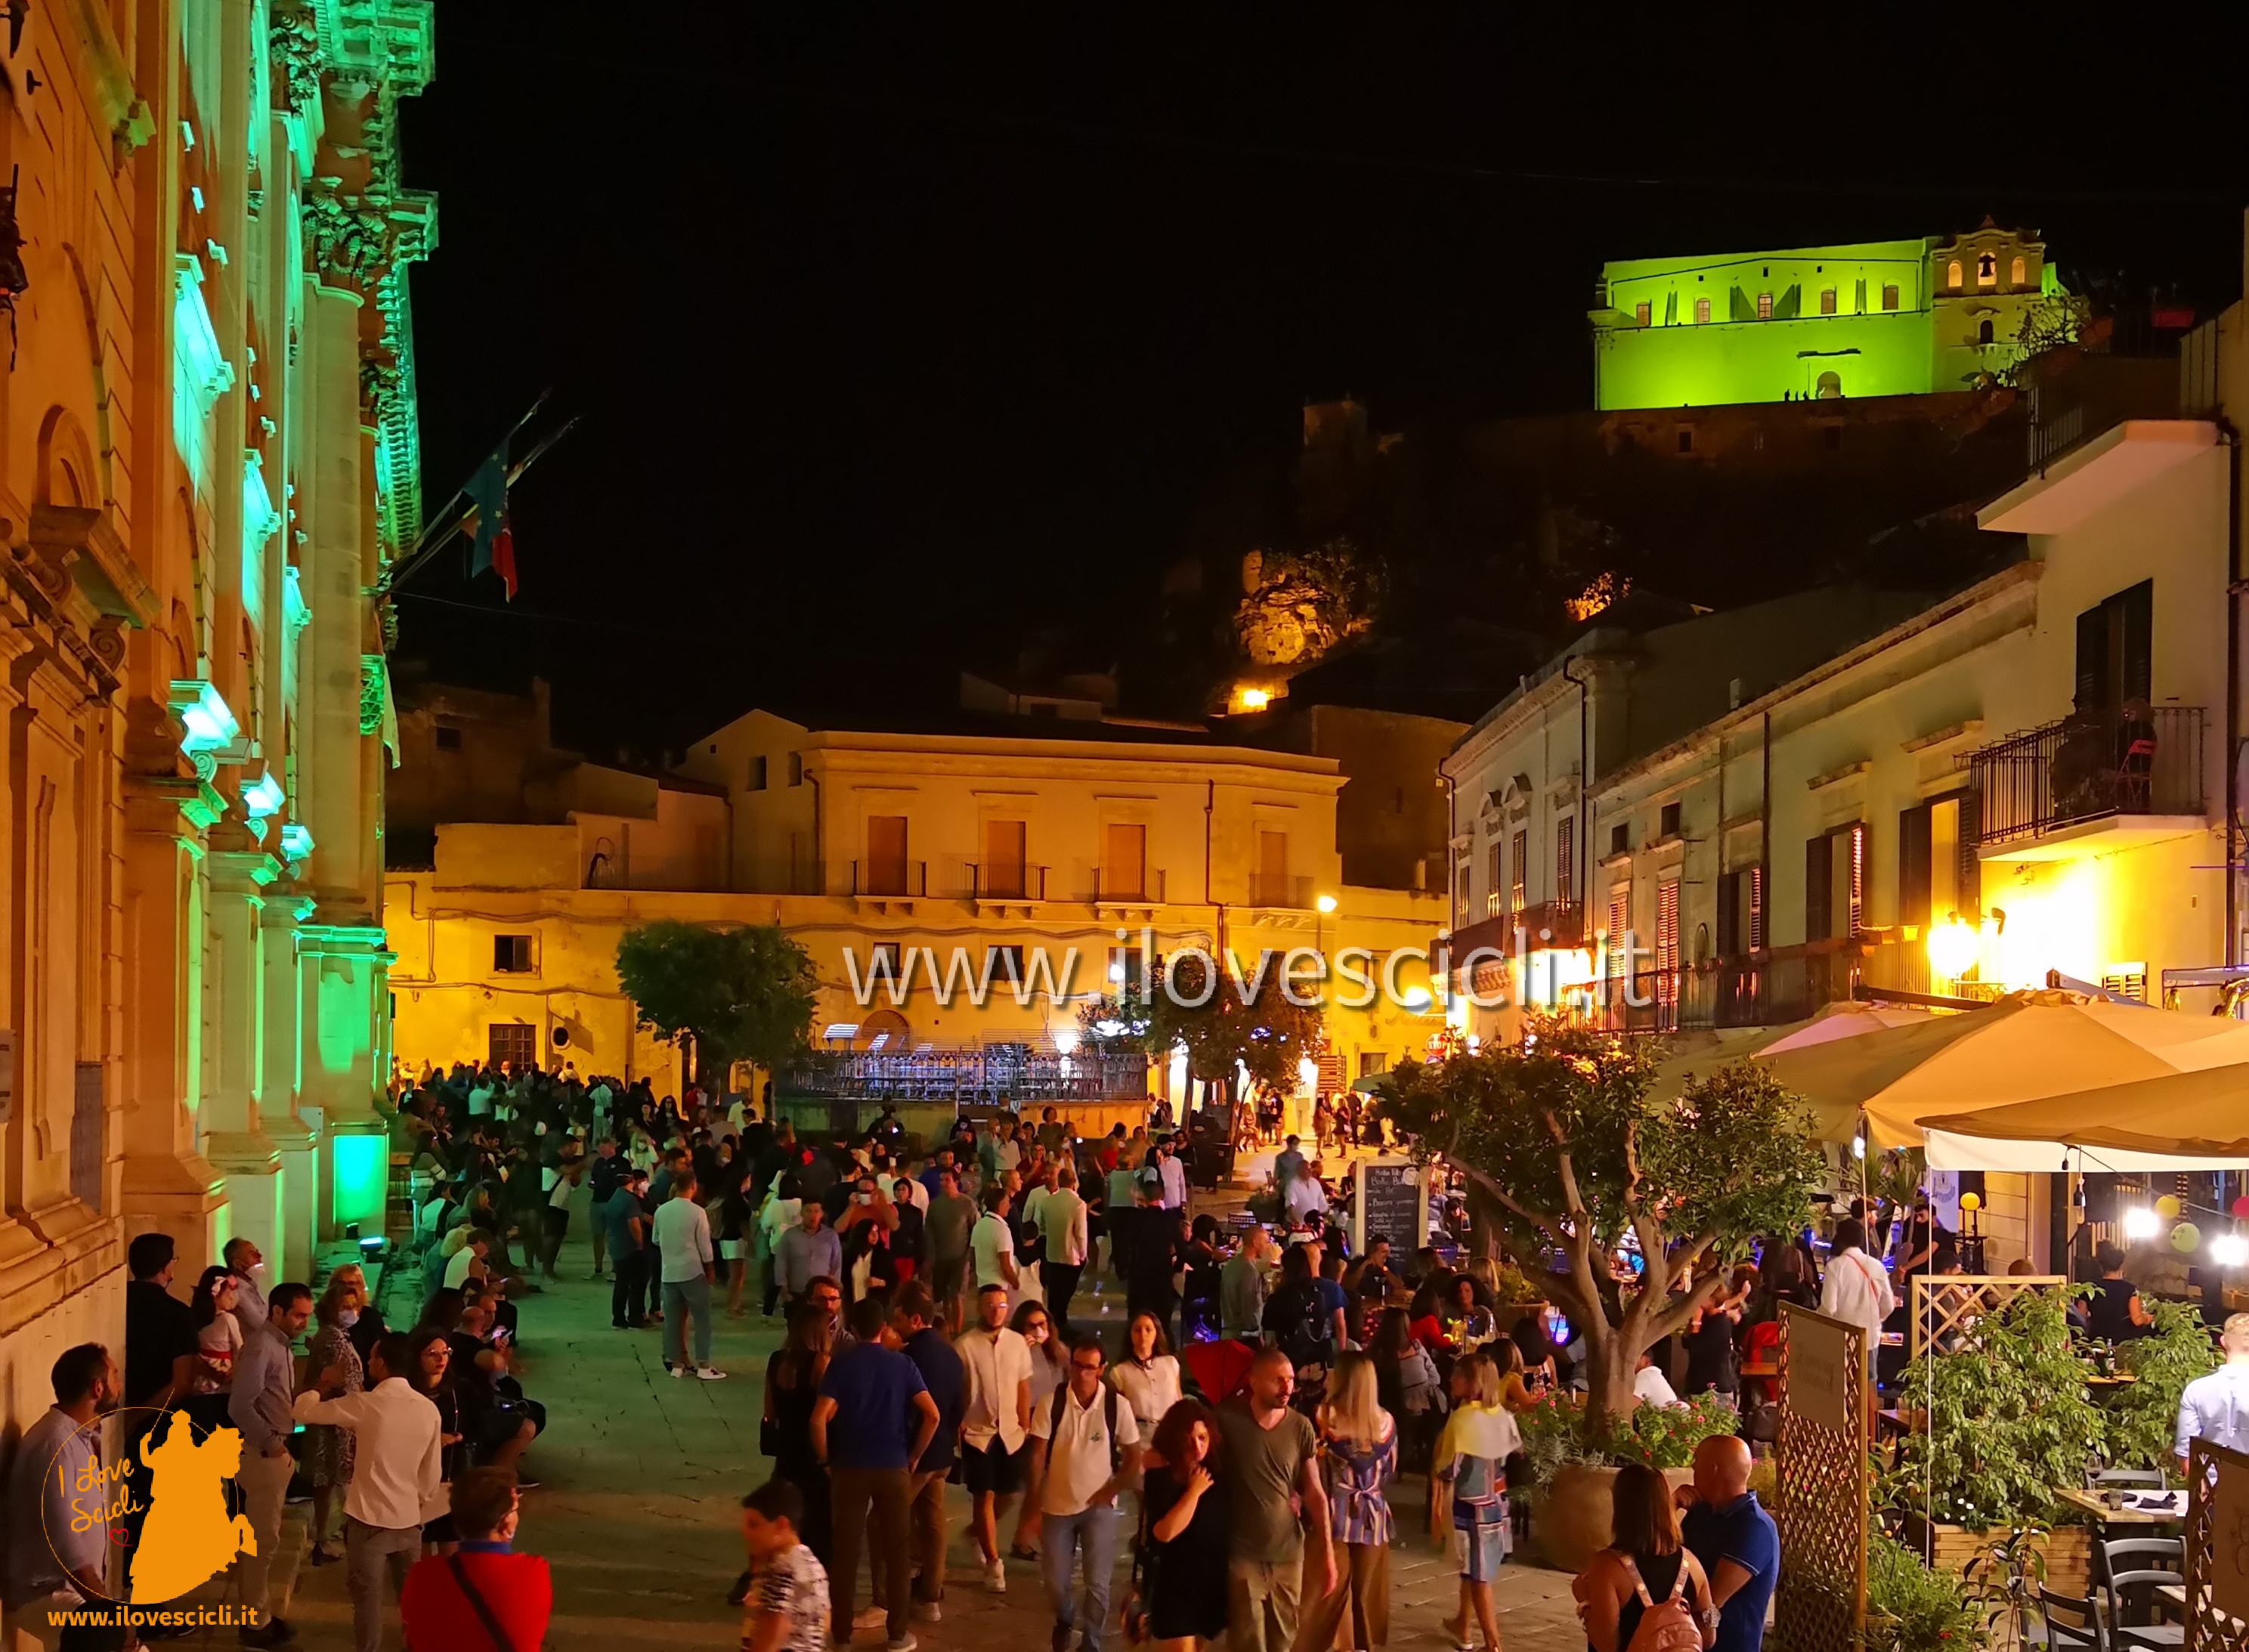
{"points": [[448, 522]]}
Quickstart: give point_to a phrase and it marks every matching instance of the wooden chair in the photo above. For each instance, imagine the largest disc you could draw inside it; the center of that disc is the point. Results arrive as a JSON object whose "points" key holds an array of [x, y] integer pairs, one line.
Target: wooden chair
{"points": [[2086, 1633], [2132, 1564], [2125, 1479]]}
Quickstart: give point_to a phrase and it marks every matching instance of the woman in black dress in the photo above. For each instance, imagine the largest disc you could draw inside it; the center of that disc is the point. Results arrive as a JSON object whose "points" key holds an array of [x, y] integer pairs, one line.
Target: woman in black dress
{"points": [[432, 1376], [793, 1379], [1188, 1538]]}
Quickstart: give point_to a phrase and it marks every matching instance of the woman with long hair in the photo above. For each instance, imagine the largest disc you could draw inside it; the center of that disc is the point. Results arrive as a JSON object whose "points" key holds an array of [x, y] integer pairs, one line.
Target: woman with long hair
{"points": [[1358, 1457], [1185, 1546], [865, 1228], [370, 1328], [1471, 1459], [218, 1337], [793, 1379], [1050, 1369], [1148, 1376], [334, 1364], [431, 1375], [1406, 1383], [1644, 1564]]}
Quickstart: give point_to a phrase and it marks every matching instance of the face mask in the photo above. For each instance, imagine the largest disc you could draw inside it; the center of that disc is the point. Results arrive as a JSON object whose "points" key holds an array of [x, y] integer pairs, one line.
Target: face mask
{"points": [[347, 1317]]}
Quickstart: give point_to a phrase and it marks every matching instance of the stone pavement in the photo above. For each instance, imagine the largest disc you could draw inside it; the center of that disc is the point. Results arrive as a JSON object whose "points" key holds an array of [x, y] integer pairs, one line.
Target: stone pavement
{"points": [[643, 1479]]}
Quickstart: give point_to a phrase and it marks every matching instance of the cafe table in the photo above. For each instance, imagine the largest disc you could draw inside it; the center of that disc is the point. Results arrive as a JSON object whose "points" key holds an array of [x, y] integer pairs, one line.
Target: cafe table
{"points": [[2090, 1502]]}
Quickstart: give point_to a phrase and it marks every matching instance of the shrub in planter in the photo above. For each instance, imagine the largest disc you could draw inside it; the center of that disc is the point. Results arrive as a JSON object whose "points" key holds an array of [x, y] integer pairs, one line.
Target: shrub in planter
{"points": [[1573, 1454], [1912, 1607], [2143, 1416], [2008, 1421]]}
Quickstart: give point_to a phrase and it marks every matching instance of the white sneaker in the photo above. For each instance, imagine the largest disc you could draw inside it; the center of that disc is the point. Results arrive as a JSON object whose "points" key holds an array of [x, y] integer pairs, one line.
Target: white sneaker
{"points": [[928, 1611], [677, 1371], [995, 1577], [903, 1643], [710, 1373], [873, 1617]]}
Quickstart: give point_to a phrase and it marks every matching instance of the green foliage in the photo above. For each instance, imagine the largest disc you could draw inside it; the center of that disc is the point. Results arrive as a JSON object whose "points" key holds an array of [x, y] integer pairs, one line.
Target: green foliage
{"points": [[1574, 1154], [1266, 1033], [2142, 1418], [2010, 1420], [2005, 1576], [1911, 1609], [1114, 1023], [1556, 1433], [1511, 1289], [741, 994]]}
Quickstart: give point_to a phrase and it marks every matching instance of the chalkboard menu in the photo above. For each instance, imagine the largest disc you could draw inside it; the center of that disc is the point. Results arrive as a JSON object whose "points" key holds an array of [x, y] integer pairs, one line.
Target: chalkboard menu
{"points": [[1391, 1203]]}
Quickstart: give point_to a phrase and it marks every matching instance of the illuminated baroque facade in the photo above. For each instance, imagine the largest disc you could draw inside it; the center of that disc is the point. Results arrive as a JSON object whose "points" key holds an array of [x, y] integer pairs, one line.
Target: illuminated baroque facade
{"points": [[206, 453], [1876, 318]]}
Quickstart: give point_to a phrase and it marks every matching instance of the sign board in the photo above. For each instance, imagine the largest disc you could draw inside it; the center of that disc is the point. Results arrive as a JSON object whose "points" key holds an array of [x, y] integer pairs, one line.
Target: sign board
{"points": [[1818, 1385], [2226, 1565], [1392, 1200]]}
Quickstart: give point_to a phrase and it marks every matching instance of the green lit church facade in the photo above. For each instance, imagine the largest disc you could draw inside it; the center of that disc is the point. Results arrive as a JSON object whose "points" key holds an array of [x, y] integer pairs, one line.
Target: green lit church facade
{"points": [[1873, 318]]}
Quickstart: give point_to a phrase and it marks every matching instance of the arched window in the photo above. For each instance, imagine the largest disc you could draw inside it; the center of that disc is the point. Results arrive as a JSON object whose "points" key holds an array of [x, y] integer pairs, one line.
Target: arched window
{"points": [[1701, 311], [1827, 300], [2017, 275], [1952, 274], [1830, 387], [1983, 330], [1987, 270], [1764, 307]]}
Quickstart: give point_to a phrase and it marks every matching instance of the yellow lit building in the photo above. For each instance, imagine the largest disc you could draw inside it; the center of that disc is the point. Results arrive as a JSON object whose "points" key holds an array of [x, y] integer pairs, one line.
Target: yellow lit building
{"points": [[206, 453], [976, 847]]}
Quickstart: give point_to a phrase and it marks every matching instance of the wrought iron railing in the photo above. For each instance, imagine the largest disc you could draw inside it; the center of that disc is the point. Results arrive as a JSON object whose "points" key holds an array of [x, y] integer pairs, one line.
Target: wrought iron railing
{"points": [[1006, 880], [2148, 761], [890, 877], [1129, 884], [1279, 888]]}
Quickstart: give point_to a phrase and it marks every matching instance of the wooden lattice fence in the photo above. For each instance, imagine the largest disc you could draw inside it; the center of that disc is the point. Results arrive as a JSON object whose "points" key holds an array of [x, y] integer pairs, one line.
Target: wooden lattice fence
{"points": [[1822, 1471]]}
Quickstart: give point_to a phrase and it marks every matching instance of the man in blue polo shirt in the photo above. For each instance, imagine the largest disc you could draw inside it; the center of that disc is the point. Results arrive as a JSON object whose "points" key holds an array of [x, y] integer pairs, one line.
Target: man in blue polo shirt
{"points": [[1735, 1540], [874, 1421]]}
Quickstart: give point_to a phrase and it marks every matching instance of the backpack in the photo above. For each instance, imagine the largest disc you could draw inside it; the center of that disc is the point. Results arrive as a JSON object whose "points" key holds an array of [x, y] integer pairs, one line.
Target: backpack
{"points": [[1296, 1322], [1666, 1625], [1109, 1416]]}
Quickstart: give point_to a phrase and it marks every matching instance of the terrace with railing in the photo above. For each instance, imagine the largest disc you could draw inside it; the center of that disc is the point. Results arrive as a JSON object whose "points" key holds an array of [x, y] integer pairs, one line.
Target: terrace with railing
{"points": [[2141, 761]]}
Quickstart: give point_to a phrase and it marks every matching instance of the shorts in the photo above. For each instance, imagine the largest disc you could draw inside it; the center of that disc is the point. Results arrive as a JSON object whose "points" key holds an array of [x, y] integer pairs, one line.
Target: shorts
{"points": [[992, 1469], [733, 1250], [949, 1278]]}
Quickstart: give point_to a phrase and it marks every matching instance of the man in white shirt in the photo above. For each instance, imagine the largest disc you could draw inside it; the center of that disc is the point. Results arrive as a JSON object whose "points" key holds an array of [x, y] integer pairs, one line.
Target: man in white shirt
{"points": [[992, 1244], [1650, 1385], [995, 1424], [1061, 1217], [1304, 1198], [2215, 1407], [1174, 1174], [56, 1560], [1092, 1448], [682, 1233], [397, 1482]]}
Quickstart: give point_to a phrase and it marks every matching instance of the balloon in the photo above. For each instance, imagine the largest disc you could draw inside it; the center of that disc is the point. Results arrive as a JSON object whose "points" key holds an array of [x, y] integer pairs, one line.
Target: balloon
{"points": [[2186, 1238], [2241, 1206], [2168, 1205], [1971, 1202]]}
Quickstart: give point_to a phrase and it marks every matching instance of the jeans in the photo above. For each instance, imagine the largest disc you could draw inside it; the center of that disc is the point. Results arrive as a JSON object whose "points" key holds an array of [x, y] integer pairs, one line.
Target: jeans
{"points": [[375, 1555], [625, 1294], [889, 1492], [1060, 1279], [264, 1482], [1061, 1536], [680, 1297]]}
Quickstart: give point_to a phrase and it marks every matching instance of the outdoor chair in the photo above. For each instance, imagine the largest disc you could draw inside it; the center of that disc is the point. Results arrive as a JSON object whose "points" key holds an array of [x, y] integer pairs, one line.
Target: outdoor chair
{"points": [[2133, 1564], [2055, 1631]]}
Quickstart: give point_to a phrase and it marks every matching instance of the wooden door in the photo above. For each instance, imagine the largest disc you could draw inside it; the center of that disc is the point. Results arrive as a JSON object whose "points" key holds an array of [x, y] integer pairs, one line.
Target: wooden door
{"points": [[886, 855], [1004, 858], [1124, 863]]}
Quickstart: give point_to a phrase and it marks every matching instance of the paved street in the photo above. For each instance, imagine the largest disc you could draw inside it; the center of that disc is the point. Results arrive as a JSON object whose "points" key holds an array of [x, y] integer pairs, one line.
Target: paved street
{"points": [[643, 1477]]}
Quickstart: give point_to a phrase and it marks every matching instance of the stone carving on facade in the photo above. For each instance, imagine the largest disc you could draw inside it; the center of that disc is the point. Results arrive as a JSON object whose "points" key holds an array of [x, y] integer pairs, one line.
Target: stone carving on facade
{"points": [[296, 43]]}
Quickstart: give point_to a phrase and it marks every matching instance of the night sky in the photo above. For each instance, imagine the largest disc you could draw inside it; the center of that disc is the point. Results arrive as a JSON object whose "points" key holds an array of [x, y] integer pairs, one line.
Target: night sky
{"points": [[894, 341]]}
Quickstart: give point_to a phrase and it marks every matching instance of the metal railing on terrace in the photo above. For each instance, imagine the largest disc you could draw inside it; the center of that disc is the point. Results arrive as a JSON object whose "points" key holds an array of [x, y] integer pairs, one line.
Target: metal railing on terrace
{"points": [[890, 877], [2147, 762], [968, 1076], [1006, 880]]}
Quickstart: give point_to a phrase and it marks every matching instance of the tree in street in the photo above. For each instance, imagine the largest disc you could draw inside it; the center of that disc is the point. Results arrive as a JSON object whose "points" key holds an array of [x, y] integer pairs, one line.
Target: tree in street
{"points": [[1570, 1156], [742, 993], [1218, 1025]]}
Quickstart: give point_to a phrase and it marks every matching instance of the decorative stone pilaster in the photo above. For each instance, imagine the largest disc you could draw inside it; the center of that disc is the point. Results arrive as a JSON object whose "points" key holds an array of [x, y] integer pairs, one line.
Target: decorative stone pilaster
{"points": [[296, 1141], [347, 970], [231, 1130]]}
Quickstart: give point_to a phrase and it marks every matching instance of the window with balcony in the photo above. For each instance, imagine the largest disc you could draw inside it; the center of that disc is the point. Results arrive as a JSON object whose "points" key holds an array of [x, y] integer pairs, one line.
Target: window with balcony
{"points": [[1741, 911], [1620, 924], [1931, 872], [2116, 648], [1269, 883], [885, 871], [1123, 862], [1005, 869], [1834, 883]]}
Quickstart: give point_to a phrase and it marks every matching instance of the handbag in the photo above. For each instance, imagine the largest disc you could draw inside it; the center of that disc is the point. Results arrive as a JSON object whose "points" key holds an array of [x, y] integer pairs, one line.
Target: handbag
{"points": [[478, 1604]]}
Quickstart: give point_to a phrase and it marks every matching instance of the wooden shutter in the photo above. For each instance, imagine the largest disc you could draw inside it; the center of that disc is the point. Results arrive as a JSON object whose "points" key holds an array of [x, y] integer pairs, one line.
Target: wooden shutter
{"points": [[1818, 885], [886, 855], [1913, 865], [1124, 861], [1566, 858], [1515, 889], [1004, 857]]}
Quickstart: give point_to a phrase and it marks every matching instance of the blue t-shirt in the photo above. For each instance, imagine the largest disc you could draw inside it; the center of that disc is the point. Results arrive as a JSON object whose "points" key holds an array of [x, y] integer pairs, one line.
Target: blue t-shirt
{"points": [[1744, 1534], [945, 1377], [1332, 1301], [875, 1417], [617, 1217]]}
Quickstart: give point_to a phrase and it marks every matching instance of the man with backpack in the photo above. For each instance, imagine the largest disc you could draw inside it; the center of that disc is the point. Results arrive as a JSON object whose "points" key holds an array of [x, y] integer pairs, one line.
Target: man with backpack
{"points": [[1092, 1449]]}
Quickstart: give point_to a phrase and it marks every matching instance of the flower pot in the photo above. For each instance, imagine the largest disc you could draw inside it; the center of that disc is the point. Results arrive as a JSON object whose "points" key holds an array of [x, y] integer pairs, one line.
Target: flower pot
{"points": [[1575, 1518]]}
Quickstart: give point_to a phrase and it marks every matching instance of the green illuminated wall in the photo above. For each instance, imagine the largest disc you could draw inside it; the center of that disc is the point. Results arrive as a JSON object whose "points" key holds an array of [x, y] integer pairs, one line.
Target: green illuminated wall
{"points": [[363, 1180]]}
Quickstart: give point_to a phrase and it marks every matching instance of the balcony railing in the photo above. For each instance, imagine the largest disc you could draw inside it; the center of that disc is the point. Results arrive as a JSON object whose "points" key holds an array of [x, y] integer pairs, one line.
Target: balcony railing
{"points": [[1789, 983], [1278, 889], [900, 878], [808, 877], [1016, 1072], [1557, 924], [1138, 884], [1006, 880], [2088, 766], [1655, 1000]]}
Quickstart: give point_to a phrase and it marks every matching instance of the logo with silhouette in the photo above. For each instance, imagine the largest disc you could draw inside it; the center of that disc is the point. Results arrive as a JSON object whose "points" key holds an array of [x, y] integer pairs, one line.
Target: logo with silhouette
{"points": [[182, 1508]]}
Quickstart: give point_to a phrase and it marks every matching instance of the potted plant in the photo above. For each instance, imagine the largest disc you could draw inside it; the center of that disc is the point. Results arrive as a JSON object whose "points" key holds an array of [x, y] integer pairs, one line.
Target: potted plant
{"points": [[1572, 1457], [1912, 1607], [2141, 1417], [2010, 1421]]}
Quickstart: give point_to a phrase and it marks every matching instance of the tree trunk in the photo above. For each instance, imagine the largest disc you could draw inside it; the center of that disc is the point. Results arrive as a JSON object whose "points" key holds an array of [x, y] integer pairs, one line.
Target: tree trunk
{"points": [[1612, 1363]]}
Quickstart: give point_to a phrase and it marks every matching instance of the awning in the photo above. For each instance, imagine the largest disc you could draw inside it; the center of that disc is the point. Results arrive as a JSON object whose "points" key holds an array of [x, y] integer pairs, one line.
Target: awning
{"points": [[2177, 1121]]}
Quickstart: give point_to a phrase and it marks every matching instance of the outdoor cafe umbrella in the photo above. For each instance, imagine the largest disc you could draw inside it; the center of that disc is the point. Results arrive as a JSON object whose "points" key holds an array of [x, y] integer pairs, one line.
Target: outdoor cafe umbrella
{"points": [[2179, 1120], [1845, 1018], [2025, 1047]]}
